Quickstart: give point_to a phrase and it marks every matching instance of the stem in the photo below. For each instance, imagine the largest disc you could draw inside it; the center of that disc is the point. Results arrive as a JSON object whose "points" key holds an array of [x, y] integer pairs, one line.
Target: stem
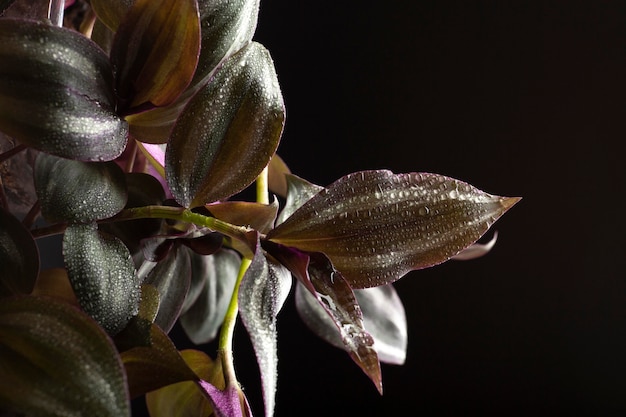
{"points": [[13, 151], [225, 346], [262, 193], [32, 214], [55, 12]]}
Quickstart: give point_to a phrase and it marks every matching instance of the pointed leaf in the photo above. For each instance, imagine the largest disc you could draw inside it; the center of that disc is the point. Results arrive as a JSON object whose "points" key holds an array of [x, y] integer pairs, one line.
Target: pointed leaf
{"points": [[64, 104], [276, 176], [19, 256], [376, 226], [228, 132], [242, 213], [103, 276], [155, 366], [333, 293], [171, 277], [263, 291], [78, 192], [155, 52], [227, 26], [476, 250], [55, 360], [299, 191], [184, 399], [216, 276]]}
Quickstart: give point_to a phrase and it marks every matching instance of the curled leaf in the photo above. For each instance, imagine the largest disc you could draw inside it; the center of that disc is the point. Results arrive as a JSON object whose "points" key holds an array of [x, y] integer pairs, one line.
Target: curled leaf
{"points": [[228, 132], [375, 226], [64, 104]]}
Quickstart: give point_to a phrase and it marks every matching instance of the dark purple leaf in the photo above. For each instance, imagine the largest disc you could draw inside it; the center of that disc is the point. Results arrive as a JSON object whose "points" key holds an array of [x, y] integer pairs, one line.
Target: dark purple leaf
{"points": [[228, 132], [263, 291], [64, 104], [299, 191], [155, 52], [376, 226], [78, 192], [19, 256], [56, 361], [102, 275]]}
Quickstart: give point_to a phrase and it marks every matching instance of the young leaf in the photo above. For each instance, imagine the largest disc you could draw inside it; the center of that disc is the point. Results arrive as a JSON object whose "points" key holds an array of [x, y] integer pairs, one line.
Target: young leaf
{"points": [[227, 26], [155, 366], [333, 293], [228, 132], [64, 104], [212, 282], [264, 289], [226, 402], [19, 256], [155, 52], [376, 226], [103, 276], [55, 360], [383, 318], [78, 192], [171, 277]]}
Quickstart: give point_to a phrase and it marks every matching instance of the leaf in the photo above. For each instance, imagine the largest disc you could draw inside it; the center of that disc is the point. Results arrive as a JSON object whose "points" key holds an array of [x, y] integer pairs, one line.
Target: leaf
{"points": [[299, 191], [78, 192], [137, 332], [155, 52], [111, 12], [226, 402], [227, 26], [171, 277], [476, 250], [5, 4], [228, 132], [184, 399], [19, 256], [243, 213], [153, 367], [103, 276], [212, 283], [55, 283], [55, 360], [333, 293], [64, 104], [277, 172], [383, 318], [263, 291], [376, 226]]}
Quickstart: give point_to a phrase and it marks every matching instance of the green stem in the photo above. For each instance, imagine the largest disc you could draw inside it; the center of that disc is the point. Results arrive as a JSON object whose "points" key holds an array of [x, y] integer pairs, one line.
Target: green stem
{"points": [[225, 346]]}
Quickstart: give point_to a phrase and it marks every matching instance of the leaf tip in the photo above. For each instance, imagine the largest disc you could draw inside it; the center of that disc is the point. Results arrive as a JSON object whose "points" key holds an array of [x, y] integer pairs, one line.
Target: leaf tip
{"points": [[508, 202]]}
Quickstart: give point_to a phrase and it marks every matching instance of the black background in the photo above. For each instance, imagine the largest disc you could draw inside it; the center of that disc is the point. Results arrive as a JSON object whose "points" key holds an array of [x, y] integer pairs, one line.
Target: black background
{"points": [[517, 98]]}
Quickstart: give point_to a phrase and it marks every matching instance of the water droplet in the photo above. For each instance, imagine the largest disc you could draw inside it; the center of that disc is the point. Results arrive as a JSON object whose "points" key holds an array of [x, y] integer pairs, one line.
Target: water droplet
{"points": [[423, 211]]}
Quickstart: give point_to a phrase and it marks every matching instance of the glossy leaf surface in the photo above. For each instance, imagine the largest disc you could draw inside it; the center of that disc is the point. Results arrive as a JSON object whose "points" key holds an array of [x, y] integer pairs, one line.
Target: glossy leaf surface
{"points": [[227, 26], [64, 104], [375, 226], [19, 256], [76, 191], [55, 360], [334, 295], [263, 291], [103, 276], [228, 132], [383, 318], [299, 191], [212, 283], [155, 52], [155, 366], [184, 399]]}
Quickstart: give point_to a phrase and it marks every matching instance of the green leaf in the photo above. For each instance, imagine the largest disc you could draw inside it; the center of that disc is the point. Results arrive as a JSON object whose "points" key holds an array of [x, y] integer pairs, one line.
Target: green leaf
{"points": [[376, 226], [185, 399], [19, 256], [383, 318], [263, 291], [227, 26], [76, 191], [55, 360], [103, 276], [228, 132], [153, 367], [212, 283], [155, 52], [56, 92]]}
